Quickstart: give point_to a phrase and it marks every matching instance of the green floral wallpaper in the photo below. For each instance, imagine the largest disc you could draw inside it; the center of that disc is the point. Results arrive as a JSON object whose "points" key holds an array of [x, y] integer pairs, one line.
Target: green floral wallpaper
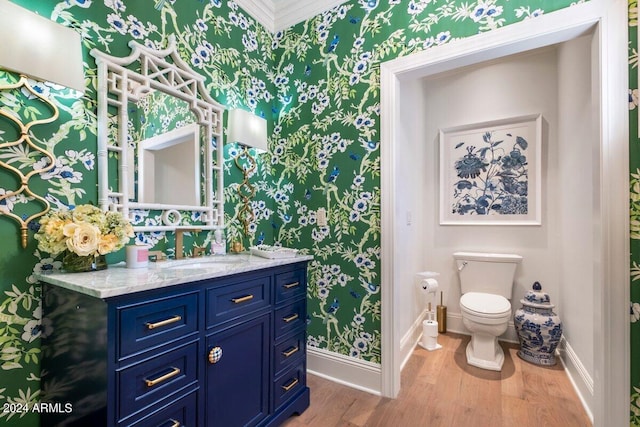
{"points": [[327, 145], [317, 84]]}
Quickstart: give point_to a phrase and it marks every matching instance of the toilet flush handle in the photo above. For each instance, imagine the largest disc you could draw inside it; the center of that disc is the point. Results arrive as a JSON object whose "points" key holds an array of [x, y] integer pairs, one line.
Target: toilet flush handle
{"points": [[462, 266]]}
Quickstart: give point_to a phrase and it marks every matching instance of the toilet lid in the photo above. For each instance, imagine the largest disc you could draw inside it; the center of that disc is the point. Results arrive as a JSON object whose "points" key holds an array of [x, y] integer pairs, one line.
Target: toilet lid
{"points": [[487, 304]]}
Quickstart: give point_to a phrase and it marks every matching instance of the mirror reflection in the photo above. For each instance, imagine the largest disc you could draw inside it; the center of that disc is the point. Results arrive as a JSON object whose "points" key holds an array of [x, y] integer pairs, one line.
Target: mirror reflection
{"points": [[166, 151]]}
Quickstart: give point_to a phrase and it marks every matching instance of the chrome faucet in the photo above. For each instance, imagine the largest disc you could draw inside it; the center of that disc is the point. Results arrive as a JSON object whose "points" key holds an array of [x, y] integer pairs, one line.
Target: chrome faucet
{"points": [[180, 241]]}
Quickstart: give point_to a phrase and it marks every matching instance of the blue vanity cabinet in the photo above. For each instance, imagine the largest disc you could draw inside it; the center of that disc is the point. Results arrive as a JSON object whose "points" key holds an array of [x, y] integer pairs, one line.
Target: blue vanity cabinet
{"points": [[226, 351], [289, 390], [237, 374]]}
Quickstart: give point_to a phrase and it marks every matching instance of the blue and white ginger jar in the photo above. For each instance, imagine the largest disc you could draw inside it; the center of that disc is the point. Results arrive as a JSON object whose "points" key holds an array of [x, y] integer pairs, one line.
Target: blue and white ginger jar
{"points": [[539, 328]]}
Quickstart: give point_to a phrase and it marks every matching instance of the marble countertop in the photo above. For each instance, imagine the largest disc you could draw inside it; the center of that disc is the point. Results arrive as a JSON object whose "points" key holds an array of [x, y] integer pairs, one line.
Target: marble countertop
{"points": [[118, 280]]}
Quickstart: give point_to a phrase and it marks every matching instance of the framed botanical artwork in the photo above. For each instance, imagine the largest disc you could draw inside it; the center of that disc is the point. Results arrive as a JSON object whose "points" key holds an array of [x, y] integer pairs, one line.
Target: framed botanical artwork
{"points": [[490, 172]]}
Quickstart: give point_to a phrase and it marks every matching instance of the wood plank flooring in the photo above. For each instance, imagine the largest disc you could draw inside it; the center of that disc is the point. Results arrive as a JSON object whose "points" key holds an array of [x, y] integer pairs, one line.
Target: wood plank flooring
{"points": [[439, 389]]}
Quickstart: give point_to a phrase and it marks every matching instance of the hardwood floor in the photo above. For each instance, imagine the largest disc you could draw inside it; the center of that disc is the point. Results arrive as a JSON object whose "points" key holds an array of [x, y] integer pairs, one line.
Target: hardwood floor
{"points": [[440, 389]]}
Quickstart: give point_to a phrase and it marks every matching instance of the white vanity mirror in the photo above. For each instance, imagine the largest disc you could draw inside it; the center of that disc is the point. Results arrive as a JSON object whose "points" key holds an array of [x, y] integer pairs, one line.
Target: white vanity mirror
{"points": [[159, 141]]}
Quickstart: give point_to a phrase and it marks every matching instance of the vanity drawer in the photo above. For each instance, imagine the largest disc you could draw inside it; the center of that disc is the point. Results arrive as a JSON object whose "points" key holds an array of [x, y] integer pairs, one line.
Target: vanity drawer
{"points": [[290, 317], [153, 323], [289, 351], [290, 284], [232, 301], [289, 384], [182, 412], [148, 382]]}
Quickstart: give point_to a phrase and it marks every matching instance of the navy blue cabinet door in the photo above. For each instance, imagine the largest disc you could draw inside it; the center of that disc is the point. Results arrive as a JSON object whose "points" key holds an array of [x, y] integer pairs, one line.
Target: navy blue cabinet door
{"points": [[237, 374]]}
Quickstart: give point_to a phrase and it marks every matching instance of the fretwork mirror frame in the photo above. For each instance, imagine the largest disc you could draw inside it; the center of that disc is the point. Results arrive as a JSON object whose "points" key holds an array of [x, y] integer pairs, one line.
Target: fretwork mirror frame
{"points": [[121, 80]]}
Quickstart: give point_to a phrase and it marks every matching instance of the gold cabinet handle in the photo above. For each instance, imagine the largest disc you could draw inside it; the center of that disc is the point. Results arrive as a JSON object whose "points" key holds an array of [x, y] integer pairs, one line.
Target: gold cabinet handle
{"points": [[175, 423], [242, 299], [291, 385], [290, 351], [215, 355], [290, 318], [169, 321], [173, 373], [291, 285]]}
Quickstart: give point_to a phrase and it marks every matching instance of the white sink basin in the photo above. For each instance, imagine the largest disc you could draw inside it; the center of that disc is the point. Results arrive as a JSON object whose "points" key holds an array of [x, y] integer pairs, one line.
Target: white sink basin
{"points": [[209, 263]]}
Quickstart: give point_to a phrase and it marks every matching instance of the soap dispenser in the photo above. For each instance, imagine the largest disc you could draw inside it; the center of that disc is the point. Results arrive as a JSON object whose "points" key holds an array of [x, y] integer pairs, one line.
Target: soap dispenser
{"points": [[219, 244]]}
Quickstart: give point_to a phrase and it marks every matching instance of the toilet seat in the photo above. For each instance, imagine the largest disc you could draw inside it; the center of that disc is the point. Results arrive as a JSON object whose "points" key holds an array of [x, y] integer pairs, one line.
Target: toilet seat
{"points": [[487, 306]]}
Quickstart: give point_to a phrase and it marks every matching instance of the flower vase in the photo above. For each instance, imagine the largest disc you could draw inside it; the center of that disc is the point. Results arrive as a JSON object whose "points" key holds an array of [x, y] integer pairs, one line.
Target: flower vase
{"points": [[74, 263]]}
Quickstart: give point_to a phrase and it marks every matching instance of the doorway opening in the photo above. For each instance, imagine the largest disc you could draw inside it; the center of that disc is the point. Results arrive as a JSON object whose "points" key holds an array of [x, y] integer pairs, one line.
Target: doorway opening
{"points": [[604, 27]]}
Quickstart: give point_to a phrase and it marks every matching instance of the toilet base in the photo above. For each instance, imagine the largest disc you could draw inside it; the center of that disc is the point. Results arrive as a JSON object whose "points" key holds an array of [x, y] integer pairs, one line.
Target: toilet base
{"points": [[493, 364]]}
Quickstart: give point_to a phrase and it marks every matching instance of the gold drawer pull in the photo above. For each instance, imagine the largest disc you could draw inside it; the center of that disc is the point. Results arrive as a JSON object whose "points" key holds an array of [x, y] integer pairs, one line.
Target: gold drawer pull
{"points": [[290, 318], [291, 385], [290, 351], [175, 423], [291, 285], [169, 321], [242, 299], [173, 373]]}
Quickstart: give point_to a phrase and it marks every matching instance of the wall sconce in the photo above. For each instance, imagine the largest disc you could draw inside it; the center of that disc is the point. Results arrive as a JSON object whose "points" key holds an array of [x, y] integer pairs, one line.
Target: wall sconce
{"points": [[43, 50], [250, 131]]}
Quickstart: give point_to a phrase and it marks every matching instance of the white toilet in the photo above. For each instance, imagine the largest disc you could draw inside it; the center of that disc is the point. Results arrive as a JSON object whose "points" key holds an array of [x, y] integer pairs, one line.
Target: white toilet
{"points": [[486, 280]]}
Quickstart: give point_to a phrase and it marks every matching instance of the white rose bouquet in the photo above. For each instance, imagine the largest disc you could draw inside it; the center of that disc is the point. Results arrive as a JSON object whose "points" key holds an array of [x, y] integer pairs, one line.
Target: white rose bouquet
{"points": [[85, 231]]}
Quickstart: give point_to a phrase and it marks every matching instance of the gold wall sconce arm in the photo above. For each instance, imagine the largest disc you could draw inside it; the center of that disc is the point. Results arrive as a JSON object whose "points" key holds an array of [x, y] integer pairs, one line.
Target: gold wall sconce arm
{"points": [[246, 190], [31, 55], [250, 131], [22, 178]]}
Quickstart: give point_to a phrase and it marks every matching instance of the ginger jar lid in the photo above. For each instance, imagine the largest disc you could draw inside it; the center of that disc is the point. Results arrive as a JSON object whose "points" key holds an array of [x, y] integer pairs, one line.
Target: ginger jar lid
{"points": [[536, 298]]}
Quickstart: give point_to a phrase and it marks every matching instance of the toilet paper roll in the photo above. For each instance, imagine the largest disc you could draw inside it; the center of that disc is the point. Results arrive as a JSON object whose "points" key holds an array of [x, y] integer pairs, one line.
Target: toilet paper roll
{"points": [[430, 328], [430, 334], [428, 285], [137, 256]]}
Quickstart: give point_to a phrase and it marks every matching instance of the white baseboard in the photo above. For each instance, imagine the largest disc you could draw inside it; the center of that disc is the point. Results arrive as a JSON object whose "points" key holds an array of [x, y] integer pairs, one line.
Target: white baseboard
{"points": [[411, 339], [578, 375], [345, 370]]}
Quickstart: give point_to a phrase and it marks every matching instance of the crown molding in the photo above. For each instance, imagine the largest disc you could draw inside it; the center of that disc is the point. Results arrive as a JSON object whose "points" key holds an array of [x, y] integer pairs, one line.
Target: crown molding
{"points": [[276, 15], [292, 12], [262, 11]]}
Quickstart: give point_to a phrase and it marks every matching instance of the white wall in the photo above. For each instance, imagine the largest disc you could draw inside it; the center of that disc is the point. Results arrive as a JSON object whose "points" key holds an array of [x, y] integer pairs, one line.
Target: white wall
{"points": [[578, 155], [414, 189], [558, 253]]}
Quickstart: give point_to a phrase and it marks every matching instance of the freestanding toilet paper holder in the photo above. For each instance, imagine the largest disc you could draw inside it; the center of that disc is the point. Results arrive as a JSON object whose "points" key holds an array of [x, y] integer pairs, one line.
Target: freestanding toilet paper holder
{"points": [[427, 285]]}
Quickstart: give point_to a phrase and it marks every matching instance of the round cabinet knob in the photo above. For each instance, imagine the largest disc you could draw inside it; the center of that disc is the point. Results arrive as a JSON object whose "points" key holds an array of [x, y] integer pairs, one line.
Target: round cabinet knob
{"points": [[215, 355]]}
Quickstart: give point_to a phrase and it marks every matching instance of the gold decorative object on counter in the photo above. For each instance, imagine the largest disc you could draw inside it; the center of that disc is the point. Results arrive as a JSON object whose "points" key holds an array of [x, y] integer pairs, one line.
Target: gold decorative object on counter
{"points": [[237, 247]]}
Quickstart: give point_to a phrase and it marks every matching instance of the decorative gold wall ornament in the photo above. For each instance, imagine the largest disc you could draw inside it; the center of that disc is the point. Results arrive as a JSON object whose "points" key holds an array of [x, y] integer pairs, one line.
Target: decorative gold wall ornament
{"points": [[246, 190], [24, 138], [250, 131]]}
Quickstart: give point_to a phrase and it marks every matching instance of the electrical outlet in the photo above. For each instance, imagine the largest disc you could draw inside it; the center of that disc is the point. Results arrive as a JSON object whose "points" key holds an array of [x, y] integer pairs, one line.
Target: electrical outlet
{"points": [[321, 217]]}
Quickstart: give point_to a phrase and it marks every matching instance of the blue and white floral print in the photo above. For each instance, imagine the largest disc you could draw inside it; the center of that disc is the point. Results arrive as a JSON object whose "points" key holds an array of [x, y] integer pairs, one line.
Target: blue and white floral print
{"points": [[493, 176]]}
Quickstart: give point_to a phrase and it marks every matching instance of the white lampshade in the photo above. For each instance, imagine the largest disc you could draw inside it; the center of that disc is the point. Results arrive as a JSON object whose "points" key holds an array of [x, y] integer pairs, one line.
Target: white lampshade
{"points": [[39, 48], [247, 129]]}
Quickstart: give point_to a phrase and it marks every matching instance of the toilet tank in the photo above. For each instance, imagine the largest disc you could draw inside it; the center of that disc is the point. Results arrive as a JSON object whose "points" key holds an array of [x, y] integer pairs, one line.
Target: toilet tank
{"points": [[486, 272]]}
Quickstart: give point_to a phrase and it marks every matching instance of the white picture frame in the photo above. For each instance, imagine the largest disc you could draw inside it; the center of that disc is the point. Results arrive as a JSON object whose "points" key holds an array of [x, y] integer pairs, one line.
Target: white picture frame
{"points": [[490, 172]]}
